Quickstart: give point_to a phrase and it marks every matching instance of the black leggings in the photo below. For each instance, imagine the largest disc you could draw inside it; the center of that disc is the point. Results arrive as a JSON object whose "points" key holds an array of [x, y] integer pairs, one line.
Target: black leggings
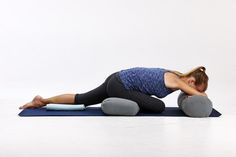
{"points": [[113, 87]]}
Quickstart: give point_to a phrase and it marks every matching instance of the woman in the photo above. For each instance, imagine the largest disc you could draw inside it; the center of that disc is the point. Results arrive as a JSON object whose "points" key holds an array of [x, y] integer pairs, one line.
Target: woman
{"points": [[137, 84]]}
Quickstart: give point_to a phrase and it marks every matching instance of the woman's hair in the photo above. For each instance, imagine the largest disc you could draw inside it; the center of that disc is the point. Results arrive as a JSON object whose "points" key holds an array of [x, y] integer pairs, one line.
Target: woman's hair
{"points": [[198, 73]]}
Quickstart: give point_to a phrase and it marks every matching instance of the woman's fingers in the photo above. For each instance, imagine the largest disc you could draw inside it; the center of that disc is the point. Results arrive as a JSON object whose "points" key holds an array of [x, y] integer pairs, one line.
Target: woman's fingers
{"points": [[204, 94]]}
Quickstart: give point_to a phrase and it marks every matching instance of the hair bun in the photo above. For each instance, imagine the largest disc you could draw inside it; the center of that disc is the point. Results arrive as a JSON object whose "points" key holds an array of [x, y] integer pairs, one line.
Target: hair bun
{"points": [[203, 69]]}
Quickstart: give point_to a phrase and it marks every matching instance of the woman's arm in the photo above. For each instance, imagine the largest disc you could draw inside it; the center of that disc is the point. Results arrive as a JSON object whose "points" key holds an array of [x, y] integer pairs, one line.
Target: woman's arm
{"points": [[187, 89], [174, 82]]}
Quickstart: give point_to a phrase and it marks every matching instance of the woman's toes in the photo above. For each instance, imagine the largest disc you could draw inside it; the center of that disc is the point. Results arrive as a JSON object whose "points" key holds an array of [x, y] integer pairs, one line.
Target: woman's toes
{"points": [[35, 103]]}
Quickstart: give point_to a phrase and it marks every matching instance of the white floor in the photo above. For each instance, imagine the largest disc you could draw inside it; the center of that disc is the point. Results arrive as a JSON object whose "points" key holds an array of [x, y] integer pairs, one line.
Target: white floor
{"points": [[115, 136]]}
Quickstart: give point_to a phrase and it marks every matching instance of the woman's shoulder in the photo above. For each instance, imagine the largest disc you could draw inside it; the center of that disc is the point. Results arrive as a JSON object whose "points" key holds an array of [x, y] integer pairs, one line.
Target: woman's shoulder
{"points": [[170, 80]]}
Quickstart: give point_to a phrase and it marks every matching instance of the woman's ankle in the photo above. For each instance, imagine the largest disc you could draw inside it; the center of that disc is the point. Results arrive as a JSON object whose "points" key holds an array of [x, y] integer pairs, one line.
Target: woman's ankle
{"points": [[46, 101]]}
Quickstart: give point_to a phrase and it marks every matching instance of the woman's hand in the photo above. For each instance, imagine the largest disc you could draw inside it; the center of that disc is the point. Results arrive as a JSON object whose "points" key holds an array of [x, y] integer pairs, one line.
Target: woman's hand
{"points": [[203, 94]]}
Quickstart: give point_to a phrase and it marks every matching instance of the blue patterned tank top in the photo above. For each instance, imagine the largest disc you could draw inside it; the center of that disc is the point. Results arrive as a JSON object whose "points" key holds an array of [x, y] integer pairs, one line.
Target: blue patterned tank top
{"points": [[146, 80]]}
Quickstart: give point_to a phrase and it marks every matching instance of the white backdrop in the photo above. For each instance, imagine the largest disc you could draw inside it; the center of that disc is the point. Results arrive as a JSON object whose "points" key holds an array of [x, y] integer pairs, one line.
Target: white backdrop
{"points": [[52, 47]]}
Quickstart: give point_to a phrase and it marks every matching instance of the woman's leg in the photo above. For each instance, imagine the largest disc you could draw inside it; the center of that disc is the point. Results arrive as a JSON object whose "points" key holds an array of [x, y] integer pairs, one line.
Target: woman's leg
{"points": [[92, 97], [60, 99], [38, 101], [115, 88]]}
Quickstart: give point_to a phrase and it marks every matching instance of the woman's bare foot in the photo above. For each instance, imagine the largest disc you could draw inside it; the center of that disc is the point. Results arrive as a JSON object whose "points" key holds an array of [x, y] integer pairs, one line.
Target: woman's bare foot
{"points": [[35, 103]]}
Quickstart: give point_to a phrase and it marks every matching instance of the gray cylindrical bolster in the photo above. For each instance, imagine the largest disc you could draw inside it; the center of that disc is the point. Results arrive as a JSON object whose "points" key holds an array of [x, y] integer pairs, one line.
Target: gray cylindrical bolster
{"points": [[195, 106], [119, 106], [181, 97]]}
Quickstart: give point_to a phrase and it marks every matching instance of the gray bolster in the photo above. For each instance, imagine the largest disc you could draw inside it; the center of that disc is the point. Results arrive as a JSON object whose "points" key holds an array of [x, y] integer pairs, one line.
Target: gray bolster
{"points": [[195, 106], [119, 106], [181, 97]]}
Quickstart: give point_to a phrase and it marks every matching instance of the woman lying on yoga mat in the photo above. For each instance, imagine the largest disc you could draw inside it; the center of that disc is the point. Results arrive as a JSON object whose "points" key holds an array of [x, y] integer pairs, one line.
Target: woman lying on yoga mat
{"points": [[137, 84]]}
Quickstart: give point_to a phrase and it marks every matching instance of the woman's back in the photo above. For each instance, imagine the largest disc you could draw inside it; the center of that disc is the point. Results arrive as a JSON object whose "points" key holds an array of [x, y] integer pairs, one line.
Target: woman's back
{"points": [[146, 80]]}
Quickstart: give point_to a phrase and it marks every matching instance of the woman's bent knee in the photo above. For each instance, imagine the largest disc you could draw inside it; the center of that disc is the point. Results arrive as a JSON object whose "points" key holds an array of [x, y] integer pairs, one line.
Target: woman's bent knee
{"points": [[156, 107], [161, 106]]}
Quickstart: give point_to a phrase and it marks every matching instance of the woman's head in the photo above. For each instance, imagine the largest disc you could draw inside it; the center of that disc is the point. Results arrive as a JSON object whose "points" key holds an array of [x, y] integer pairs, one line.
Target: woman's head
{"points": [[196, 78]]}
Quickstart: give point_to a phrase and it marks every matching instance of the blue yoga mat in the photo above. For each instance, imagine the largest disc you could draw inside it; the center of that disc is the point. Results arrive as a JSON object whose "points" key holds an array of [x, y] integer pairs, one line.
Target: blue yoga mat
{"points": [[96, 111]]}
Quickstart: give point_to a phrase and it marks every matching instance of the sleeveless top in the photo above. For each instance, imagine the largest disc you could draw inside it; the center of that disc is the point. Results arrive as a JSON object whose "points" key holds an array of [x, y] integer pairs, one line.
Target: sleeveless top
{"points": [[149, 81]]}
